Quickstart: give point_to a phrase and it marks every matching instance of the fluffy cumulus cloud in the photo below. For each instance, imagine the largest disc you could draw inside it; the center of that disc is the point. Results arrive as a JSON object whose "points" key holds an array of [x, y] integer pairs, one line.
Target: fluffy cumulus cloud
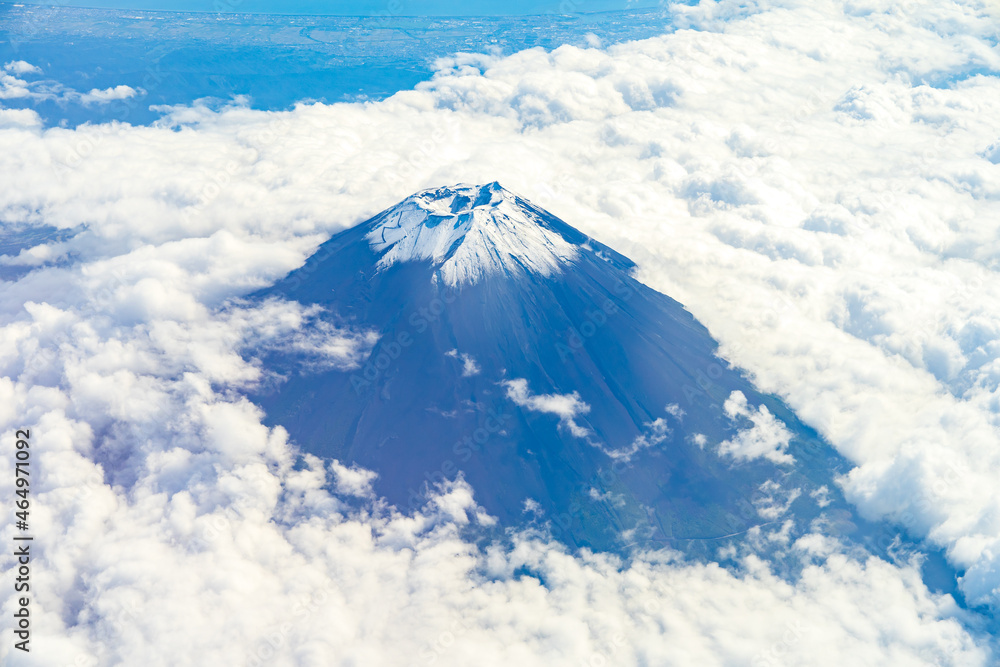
{"points": [[13, 86], [816, 181], [352, 481], [766, 437], [469, 365], [96, 95], [567, 407], [21, 67]]}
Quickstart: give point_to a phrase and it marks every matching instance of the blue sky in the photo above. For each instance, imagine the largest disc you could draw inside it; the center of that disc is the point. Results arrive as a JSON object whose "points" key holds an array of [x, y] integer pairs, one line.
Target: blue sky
{"points": [[367, 7]]}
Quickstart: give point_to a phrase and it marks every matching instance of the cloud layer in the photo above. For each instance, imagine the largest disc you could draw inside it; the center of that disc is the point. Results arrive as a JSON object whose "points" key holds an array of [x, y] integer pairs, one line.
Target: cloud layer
{"points": [[816, 181]]}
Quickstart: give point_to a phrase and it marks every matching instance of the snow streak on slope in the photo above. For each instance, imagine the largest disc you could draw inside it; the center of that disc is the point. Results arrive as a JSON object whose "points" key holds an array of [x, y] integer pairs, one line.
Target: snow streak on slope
{"points": [[470, 232]]}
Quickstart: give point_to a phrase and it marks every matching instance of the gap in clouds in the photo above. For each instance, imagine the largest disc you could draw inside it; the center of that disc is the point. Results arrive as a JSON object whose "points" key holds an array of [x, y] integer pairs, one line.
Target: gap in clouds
{"points": [[172, 57]]}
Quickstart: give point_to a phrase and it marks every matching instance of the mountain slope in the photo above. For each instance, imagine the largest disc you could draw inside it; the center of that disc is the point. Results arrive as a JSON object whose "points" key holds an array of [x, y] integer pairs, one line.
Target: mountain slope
{"points": [[523, 355]]}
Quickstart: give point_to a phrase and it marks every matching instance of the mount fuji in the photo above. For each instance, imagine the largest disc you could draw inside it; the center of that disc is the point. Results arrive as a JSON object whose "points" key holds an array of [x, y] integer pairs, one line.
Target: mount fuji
{"points": [[520, 354]]}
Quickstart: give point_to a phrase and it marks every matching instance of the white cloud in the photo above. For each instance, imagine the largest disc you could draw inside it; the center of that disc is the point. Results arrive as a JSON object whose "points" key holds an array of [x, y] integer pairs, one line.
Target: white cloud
{"points": [[821, 496], [565, 406], [318, 344], [108, 95], [814, 182], [772, 501], [13, 87], [24, 118], [352, 481], [19, 67], [469, 365], [767, 437], [656, 432], [293, 577]]}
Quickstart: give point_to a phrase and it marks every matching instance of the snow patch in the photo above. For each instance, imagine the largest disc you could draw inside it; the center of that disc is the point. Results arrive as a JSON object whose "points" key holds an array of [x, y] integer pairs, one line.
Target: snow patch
{"points": [[470, 232]]}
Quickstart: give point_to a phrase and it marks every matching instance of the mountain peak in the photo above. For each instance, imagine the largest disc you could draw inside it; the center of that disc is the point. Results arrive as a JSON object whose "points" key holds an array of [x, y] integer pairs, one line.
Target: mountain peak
{"points": [[469, 232], [584, 396]]}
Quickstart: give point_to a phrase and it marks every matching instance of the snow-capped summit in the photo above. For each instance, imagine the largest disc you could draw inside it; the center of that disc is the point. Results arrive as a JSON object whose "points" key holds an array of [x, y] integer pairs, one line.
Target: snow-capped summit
{"points": [[469, 231]]}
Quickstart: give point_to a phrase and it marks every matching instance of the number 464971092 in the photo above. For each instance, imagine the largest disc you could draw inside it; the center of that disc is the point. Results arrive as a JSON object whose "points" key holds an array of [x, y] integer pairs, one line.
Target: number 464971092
{"points": [[22, 482]]}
